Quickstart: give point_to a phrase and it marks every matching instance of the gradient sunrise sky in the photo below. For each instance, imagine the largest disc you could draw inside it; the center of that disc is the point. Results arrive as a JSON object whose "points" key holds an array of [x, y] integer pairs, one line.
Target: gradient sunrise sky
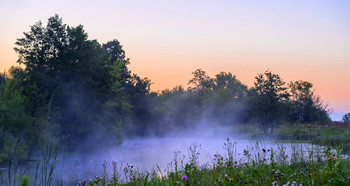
{"points": [[167, 40]]}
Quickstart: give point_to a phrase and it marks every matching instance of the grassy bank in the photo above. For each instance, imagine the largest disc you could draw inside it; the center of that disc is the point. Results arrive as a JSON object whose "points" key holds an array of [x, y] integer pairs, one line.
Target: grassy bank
{"points": [[333, 134], [304, 165], [330, 134]]}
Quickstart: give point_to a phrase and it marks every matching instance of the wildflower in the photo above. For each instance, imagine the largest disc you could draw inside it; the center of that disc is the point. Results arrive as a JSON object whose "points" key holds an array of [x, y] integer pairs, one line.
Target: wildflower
{"points": [[274, 183], [291, 176], [184, 178], [277, 173]]}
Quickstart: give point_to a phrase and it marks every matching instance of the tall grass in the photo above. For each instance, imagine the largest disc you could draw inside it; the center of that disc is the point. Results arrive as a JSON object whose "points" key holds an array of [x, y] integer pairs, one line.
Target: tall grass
{"points": [[39, 172], [13, 173], [45, 166], [300, 165]]}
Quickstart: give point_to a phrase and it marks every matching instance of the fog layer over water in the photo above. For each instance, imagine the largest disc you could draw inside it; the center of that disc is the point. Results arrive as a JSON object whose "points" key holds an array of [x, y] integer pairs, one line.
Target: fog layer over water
{"points": [[147, 154]]}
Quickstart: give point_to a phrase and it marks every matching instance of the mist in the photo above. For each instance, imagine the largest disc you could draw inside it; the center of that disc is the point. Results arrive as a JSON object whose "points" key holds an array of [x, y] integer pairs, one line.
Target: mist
{"points": [[157, 155], [79, 97]]}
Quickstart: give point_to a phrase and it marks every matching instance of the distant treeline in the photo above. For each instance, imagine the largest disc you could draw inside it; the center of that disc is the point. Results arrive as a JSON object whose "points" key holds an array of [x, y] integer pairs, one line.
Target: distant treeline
{"points": [[81, 93]]}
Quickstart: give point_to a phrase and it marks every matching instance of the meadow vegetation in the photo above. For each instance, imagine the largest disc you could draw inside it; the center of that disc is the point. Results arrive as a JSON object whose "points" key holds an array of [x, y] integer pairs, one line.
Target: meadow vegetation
{"points": [[312, 165]]}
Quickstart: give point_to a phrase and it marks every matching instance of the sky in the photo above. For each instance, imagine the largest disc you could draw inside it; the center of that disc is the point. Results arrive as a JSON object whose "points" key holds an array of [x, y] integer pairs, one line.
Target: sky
{"points": [[167, 40]]}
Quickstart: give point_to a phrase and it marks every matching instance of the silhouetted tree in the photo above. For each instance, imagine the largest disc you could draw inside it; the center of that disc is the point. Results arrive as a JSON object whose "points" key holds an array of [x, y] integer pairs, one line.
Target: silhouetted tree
{"points": [[305, 106], [223, 102], [346, 118], [268, 97], [114, 52], [69, 80], [225, 80], [200, 81]]}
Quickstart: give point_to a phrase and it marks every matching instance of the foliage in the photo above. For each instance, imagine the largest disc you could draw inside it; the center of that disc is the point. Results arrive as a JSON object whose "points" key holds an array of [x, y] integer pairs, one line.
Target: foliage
{"points": [[305, 106], [77, 83], [346, 118], [16, 132], [224, 100], [200, 80], [267, 100]]}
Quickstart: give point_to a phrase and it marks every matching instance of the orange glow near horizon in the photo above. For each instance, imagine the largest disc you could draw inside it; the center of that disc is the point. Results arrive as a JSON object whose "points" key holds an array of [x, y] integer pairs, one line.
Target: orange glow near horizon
{"points": [[167, 40]]}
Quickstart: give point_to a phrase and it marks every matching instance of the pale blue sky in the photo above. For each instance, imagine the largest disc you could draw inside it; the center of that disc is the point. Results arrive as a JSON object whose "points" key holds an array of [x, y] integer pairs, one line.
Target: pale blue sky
{"points": [[167, 40]]}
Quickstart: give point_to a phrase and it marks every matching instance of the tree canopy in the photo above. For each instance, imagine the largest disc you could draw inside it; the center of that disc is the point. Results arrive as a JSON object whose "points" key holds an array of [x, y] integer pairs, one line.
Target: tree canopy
{"points": [[76, 83], [81, 93]]}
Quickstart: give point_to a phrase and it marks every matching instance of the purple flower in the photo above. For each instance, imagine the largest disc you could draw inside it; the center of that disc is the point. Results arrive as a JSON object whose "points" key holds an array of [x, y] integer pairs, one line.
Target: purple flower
{"points": [[184, 178]]}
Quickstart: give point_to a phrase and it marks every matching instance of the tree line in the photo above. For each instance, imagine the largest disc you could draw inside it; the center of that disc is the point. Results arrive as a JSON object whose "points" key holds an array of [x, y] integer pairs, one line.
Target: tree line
{"points": [[224, 100], [74, 90]]}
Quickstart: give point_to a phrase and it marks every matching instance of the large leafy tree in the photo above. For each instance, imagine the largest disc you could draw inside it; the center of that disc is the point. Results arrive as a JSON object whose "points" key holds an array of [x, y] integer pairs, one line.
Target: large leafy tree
{"points": [[70, 79], [223, 102], [13, 117], [115, 55], [138, 91], [200, 81], [228, 81], [131, 88], [305, 106], [41, 51], [267, 99], [16, 130]]}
